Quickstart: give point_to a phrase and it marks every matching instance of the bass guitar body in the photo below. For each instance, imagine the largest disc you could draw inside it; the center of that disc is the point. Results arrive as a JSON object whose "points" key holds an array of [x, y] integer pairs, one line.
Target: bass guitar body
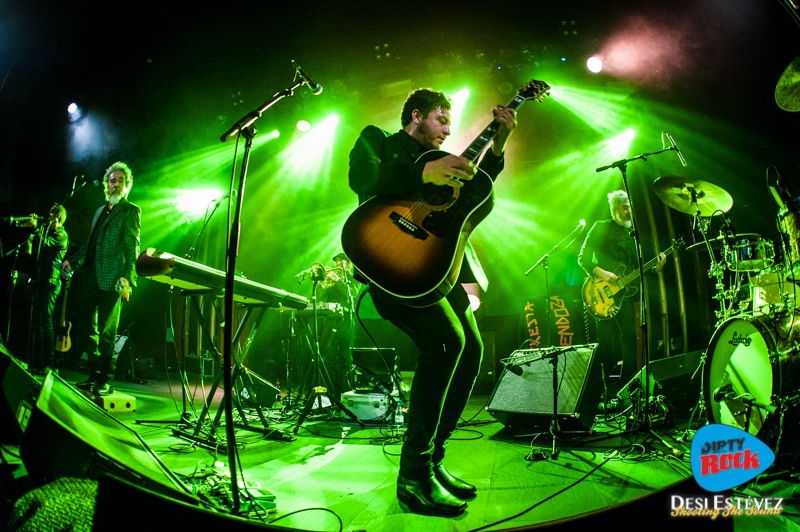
{"points": [[603, 298], [412, 248]]}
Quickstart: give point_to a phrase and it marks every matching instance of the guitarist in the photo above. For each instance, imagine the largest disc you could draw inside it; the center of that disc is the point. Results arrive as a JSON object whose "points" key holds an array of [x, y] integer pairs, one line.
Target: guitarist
{"points": [[608, 246], [446, 333], [51, 242]]}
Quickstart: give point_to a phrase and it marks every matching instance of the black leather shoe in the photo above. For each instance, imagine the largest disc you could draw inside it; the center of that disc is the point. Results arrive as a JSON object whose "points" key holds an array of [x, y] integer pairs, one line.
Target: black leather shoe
{"points": [[456, 486], [104, 388], [89, 383], [429, 497]]}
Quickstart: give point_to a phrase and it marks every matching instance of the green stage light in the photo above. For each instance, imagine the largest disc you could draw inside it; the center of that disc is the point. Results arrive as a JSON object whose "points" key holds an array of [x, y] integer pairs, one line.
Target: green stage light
{"points": [[459, 101], [601, 110], [193, 203], [303, 125]]}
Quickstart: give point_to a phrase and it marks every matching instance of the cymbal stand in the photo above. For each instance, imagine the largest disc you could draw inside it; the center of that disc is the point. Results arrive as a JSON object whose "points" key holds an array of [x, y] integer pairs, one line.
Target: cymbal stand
{"points": [[318, 374], [700, 406]]}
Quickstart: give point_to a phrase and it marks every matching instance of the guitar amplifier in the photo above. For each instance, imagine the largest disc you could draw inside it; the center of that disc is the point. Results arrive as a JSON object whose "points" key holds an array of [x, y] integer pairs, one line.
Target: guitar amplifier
{"points": [[526, 400]]}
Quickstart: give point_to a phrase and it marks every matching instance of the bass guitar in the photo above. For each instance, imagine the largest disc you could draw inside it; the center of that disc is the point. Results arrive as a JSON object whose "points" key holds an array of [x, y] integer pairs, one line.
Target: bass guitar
{"points": [[63, 343], [603, 298], [412, 247]]}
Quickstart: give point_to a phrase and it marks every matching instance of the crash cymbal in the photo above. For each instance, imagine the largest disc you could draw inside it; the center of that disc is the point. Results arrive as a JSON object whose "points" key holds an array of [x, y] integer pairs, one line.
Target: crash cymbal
{"points": [[716, 243], [676, 192], [787, 91]]}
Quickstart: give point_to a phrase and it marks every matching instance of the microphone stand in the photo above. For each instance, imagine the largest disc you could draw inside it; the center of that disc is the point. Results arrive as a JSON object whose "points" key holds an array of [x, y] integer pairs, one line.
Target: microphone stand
{"points": [[242, 128], [543, 454], [622, 164]]}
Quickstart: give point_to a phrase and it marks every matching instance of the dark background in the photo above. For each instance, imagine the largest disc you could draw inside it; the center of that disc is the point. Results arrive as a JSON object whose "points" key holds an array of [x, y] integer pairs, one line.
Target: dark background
{"points": [[163, 82]]}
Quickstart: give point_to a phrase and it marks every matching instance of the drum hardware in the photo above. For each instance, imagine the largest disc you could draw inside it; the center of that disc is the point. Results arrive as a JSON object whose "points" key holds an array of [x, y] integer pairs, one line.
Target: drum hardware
{"points": [[700, 406]]}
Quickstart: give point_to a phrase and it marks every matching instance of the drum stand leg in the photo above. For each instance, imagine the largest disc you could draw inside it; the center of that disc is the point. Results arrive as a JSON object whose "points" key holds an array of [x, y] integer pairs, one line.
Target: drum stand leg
{"points": [[699, 408]]}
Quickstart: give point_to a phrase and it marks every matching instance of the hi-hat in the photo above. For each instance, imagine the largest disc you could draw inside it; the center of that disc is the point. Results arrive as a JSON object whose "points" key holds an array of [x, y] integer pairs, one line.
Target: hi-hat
{"points": [[691, 195], [787, 91]]}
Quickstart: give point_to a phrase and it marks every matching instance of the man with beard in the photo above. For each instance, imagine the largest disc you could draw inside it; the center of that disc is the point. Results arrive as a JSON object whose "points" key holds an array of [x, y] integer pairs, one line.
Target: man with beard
{"points": [[445, 333], [608, 245], [109, 262]]}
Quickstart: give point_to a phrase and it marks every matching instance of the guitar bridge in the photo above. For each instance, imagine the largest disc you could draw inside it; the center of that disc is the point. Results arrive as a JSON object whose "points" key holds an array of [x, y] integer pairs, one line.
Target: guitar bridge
{"points": [[407, 226]]}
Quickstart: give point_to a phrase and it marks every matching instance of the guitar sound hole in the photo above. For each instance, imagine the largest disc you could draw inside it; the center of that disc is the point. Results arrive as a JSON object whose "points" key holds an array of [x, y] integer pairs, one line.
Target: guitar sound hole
{"points": [[437, 196]]}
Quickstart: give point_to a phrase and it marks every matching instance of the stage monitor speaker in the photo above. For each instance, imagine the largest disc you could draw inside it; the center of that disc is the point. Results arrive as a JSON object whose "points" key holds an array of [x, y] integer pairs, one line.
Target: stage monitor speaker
{"points": [[670, 377], [19, 393], [526, 400], [70, 436]]}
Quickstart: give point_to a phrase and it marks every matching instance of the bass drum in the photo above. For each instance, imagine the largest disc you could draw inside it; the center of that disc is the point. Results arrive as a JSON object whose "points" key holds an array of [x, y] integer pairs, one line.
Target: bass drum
{"points": [[758, 356]]}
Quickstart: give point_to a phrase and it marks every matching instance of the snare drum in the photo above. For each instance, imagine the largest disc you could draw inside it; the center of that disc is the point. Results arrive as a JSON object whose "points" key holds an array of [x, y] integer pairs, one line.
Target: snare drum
{"points": [[757, 356], [750, 254]]}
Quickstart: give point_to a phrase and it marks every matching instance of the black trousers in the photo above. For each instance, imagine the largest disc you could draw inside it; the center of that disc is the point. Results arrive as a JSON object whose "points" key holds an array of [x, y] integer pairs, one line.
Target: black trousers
{"points": [[617, 343], [450, 351], [43, 337], [98, 340]]}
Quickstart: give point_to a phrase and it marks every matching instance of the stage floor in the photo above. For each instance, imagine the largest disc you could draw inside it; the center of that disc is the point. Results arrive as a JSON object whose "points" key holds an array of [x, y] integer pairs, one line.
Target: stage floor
{"points": [[351, 471]]}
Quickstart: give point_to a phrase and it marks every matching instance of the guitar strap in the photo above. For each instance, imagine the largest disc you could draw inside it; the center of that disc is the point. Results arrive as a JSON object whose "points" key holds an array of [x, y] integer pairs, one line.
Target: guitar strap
{"points": [[475, 265]]}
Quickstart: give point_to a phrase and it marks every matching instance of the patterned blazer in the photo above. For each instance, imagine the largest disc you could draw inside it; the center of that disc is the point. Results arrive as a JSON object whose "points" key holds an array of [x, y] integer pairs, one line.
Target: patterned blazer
{"points": [[117, 245]]}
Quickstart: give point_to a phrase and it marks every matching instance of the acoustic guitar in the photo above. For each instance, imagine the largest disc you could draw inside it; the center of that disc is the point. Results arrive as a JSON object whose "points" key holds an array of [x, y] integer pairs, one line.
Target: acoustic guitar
{"points": [[603, 298], [63, 343], [412, 247]]}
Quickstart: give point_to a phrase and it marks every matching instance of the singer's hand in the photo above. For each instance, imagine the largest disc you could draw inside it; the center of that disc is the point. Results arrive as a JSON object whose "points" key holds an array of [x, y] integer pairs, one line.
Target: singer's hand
{"points": [[123, 288], [31, 222]]}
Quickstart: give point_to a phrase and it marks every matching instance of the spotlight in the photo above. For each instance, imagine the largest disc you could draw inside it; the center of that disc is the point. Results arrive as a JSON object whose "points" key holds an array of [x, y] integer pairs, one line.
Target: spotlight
{"points": [[594, 64], [303, 125], [74, 112]]}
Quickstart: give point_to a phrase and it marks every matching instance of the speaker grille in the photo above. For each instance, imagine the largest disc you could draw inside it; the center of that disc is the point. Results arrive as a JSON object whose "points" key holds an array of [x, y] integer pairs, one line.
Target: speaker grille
{"points": [[527, 400]]}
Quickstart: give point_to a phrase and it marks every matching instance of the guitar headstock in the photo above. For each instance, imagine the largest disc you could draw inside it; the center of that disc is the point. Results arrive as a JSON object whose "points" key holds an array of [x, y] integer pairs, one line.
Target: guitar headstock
{"points": [[534, 90], [678, 243]]}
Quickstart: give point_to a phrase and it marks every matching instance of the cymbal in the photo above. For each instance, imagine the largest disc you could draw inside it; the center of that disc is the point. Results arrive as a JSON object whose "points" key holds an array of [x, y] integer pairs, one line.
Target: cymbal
{"points": [[676, 192], [787, 91], [716, 243]]}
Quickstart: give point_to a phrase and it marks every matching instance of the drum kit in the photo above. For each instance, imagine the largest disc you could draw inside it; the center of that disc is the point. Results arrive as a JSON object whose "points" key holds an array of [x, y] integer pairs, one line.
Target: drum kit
{"points": [[750, 372]]}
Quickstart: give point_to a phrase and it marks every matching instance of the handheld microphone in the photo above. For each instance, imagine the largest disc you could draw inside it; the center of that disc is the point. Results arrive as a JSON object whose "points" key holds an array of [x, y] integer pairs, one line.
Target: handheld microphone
{"points": [[677, 150], [316, 88]]}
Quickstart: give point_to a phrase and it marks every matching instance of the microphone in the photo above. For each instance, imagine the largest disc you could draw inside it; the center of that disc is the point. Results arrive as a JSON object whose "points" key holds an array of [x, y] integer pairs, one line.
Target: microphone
{"points": [[12, 219], [677, 150], [582, 222], [724, 393], [304, 272], [729, 224], [316, 88], [226, 196]]}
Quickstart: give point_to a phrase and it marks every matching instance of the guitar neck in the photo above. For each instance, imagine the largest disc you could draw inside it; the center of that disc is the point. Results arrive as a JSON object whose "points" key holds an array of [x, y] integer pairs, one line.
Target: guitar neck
{"points": [[64, 303], [652, 262], [475, 149]]}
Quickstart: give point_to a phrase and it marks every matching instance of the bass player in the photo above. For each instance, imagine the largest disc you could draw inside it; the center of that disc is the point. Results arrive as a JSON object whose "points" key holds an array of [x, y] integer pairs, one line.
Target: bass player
{"points": [[609, 246]]}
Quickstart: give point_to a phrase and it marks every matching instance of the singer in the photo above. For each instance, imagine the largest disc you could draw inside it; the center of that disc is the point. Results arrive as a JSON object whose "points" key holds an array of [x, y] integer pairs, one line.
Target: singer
{"points": [[109, 263], [609, 246], [51, 242], [446, 333]]}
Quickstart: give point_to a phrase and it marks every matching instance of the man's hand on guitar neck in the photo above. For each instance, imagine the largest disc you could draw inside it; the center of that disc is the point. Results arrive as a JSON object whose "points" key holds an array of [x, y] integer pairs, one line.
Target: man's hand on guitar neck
{"points": [[507, 118], [448, 170], [662, 260]]}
